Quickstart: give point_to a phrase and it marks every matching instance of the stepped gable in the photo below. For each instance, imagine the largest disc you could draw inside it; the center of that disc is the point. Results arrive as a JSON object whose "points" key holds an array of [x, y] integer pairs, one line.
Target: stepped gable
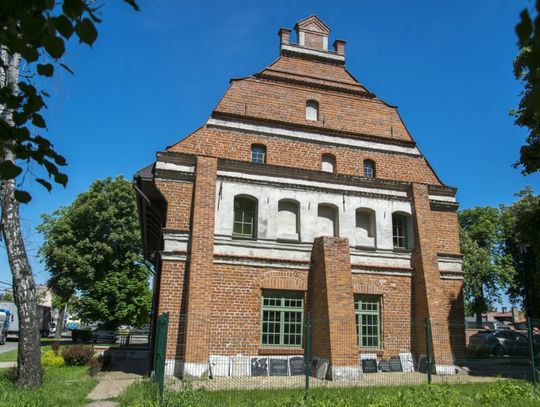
{"points": [[279, 92]]}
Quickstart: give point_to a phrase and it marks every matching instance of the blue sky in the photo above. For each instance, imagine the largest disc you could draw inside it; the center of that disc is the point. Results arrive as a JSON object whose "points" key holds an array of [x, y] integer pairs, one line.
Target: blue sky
{"points": [[153, 77]]}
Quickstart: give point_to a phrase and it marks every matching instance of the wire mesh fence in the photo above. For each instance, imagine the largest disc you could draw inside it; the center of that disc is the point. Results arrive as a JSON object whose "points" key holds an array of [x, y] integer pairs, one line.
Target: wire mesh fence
{"points": [[290, 349]]}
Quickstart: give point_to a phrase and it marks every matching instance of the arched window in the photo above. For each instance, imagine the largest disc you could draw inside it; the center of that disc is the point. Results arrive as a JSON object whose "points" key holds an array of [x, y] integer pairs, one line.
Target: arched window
{"points": [[328, 163], [369, 168], [245, 217], [365, 227], [258, 153], [327, 220], [312, 110], [401, 230], [288, 220]]}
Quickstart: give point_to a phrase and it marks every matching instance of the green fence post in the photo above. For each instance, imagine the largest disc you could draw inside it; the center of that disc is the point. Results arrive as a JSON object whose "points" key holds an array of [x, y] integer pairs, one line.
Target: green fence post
{"points": [[531, 352], [307, 357], [428, 349]]}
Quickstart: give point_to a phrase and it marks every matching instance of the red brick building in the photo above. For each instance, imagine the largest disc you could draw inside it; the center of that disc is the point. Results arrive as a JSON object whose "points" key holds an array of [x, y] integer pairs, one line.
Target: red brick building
{"points": [[302, 193]]}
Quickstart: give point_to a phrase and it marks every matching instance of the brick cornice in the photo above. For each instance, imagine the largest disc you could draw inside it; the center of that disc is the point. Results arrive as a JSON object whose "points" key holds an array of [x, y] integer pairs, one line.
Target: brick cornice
{"points": [[276, 170], [314, 129], [316, 85]]}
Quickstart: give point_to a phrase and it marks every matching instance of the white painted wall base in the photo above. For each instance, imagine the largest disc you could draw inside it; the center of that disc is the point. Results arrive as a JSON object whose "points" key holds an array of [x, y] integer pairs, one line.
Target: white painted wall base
{"points": [[445, 370], [195, 370], [345, 373]]}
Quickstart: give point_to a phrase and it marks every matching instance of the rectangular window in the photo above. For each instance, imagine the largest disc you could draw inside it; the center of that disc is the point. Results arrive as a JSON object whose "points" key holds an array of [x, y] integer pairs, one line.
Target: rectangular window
{"points": [[244, 216], [282, 318], [368, 320], [258, 155], [399, 231]]}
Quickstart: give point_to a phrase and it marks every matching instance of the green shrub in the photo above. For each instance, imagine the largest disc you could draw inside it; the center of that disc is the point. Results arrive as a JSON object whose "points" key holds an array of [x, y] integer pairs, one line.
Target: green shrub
{"points": [[77, 355], [51, 359]]}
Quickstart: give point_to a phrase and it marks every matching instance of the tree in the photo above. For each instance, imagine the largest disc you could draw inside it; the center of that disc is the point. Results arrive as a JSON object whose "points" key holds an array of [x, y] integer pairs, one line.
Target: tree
{"points": [[5, 296], [94, 246], [527, 70], [487, 268], [33, 31], [521, 226]]}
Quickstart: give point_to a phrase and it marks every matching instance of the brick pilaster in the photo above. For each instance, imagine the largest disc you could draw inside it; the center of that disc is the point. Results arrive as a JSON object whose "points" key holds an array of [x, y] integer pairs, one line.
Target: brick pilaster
{"points": [[429, 299], [330, 300], [201, 261]]}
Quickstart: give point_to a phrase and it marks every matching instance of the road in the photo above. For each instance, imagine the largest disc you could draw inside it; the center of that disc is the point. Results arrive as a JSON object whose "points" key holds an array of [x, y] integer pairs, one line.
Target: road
{"points": [[10, 345]]}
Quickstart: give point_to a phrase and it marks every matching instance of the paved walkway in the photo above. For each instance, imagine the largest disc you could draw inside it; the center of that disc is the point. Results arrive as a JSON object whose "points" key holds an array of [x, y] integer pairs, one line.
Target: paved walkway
{"points": [[111, 385], [7, 365]]}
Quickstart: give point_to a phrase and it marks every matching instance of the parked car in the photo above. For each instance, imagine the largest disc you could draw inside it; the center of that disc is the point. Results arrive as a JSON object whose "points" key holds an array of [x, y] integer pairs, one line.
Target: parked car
{"points": [[500, 343], [99, 336]]}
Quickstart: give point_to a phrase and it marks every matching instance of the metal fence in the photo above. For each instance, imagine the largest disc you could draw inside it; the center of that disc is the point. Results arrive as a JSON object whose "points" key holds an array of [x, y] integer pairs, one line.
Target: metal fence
{"points": [[306, 351]]}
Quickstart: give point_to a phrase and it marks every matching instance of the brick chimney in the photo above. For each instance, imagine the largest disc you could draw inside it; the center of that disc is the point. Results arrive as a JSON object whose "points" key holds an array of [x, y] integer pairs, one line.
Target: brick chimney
{"points": [[312, 33], [339, 47], [284, 36]]}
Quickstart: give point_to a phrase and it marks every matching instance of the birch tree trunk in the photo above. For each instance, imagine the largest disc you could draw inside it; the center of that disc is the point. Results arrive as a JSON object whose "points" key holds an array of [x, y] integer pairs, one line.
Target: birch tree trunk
{"points": [[29, 371]]}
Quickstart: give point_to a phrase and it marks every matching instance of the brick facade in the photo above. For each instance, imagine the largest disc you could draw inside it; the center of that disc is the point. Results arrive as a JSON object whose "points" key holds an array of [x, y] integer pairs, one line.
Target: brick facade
{"points": [[212, 282]]}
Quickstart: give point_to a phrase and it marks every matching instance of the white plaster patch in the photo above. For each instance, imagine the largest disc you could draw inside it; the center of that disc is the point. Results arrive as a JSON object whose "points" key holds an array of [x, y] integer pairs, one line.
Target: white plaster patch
{"points": [[450, 264], [175, 242], [315, 184], [442, 198], [160, 165]]}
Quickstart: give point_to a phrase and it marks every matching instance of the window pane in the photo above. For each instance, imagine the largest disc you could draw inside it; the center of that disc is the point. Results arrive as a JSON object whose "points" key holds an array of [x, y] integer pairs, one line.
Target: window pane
{"points": [[282, 318], [244, 217], [369, 169], [258, 154], [367, 309], [399, 231]]}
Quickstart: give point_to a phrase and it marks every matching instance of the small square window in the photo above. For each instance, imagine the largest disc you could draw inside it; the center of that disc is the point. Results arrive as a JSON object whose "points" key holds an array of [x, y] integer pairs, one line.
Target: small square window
{"points": [[258, 154]]}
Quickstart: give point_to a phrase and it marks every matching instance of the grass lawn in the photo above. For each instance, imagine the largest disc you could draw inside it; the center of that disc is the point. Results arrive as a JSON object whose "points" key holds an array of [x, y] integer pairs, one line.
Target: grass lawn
{"points": [[504, 393], [62, 386]]}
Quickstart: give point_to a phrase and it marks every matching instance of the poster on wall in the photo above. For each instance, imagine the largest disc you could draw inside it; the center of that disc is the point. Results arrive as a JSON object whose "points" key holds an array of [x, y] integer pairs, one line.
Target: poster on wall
{"points": [[296, 365], [278, 366], [259, 366], [407, 362], [395, 364]]}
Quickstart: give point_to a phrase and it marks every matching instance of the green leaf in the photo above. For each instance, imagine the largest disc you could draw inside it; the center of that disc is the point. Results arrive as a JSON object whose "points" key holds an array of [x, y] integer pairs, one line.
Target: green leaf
{"points": [[524, 29], [86, 31], [22, 196], [133, 4], [51, 168], [45, 69], [46, 184], [54, 46], [30, 54], [61, 178], [38, 121], [64, 26], [74, 8], [9, 170]]}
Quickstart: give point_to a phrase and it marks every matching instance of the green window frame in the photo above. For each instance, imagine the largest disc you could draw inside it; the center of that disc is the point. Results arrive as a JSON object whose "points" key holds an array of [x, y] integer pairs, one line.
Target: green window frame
{"points": [[282, 319], [367, 309], [245, 217]]}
